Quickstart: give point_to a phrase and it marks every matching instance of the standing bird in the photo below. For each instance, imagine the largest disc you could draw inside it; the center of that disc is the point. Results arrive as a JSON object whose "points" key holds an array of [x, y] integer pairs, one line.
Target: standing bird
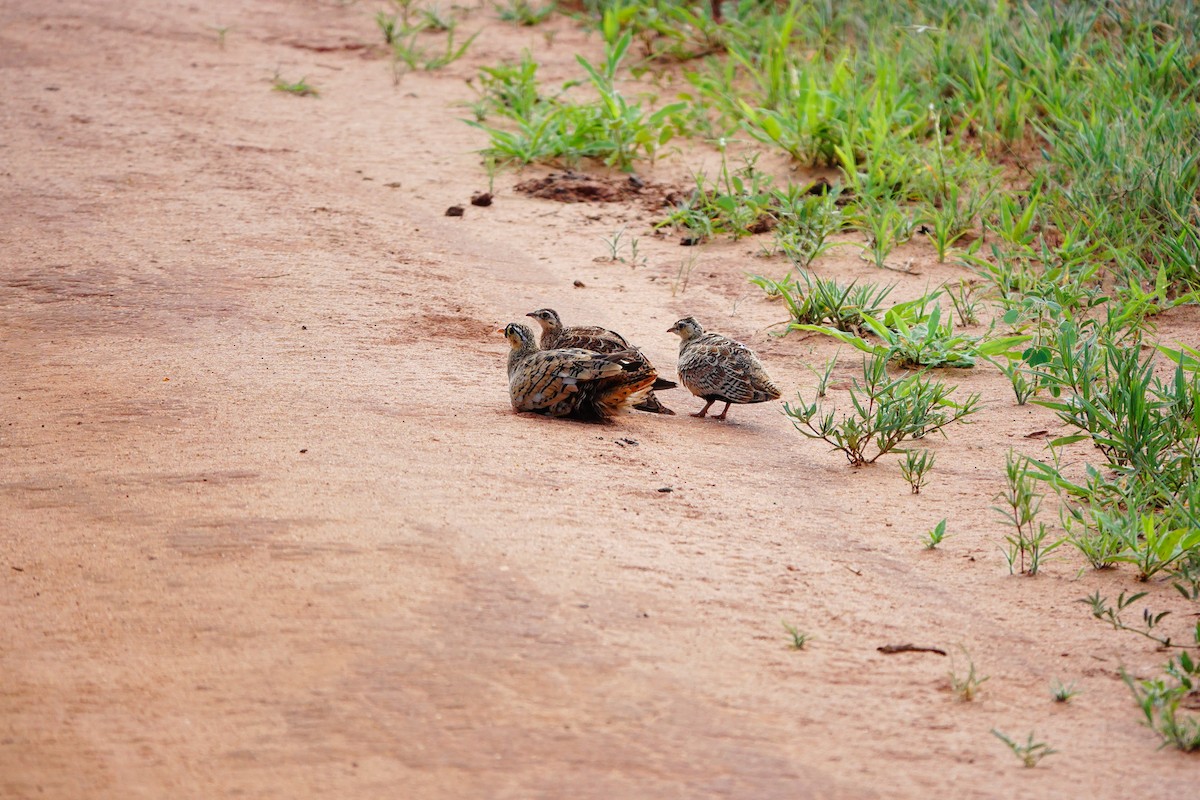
{"points": [[572, 382], [718, 368], [599, 340]]}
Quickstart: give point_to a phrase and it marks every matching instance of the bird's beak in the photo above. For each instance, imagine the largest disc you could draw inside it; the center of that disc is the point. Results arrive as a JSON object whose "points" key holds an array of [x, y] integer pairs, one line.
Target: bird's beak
{"points": [[530, 314], [500, 330]]}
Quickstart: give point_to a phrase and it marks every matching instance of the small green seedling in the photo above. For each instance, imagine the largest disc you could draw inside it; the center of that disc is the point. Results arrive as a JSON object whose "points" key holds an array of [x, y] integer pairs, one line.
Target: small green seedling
{"points": [[1030, 752], [222, 31], [966, 687], [301, 88], [915, 468], [1062, 692], [934, 537], [799, 640]]}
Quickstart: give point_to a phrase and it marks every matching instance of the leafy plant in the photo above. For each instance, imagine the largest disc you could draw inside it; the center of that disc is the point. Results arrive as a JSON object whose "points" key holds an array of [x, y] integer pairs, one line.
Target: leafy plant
{"points": [[1021, 505], [1030, 753], [799, 639], [966, 687], [616, 246], [935, 536], [920, 339], [885, 412], [1160, 700], [804, 224], [626, 128], [1063, 692], [738, 203], [300, 88], [408, 53], [915, 468], [823, 376], [550, 129], [1021, 378], [813, 300], [524, 12], [1112, 615], [222, 31], [886, 226], [966, 304]]}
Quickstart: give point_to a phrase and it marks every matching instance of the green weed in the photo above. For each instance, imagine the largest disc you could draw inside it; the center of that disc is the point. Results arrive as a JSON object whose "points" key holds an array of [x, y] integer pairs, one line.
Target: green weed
{"points": [[300, 88], [1030, 752], [935, 536], [798, 639], [1161, 699], [915, 468], [885, 412]]}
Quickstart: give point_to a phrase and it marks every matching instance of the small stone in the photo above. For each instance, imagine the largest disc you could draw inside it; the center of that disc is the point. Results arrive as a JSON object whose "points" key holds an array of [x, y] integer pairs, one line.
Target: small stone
{"points": [[454, 211], [481, 199]]}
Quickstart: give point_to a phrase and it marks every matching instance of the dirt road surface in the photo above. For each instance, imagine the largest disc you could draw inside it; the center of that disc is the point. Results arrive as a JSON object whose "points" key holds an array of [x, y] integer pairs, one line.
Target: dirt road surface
{"points": [[269, 527]]}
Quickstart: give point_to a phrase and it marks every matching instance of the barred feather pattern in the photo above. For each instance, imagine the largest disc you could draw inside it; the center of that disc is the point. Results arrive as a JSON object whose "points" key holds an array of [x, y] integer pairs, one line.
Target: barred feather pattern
{"points": [[573, 382], [718, 368], [600, 340]]}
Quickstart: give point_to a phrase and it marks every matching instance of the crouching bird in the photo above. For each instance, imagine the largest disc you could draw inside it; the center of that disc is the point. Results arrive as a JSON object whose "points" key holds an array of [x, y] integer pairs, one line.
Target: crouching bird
{"points": [[573, 382], [716, 367], [599, 340]]}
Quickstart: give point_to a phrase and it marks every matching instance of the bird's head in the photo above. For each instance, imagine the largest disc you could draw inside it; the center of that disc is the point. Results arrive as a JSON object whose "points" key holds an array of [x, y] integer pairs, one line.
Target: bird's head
{"points": [[547, 318], [686, 328], [518, 335]]}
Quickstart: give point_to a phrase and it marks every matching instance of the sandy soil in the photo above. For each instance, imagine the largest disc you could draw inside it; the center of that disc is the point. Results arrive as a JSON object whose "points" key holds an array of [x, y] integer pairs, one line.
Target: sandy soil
{"points": [[269, 528]]}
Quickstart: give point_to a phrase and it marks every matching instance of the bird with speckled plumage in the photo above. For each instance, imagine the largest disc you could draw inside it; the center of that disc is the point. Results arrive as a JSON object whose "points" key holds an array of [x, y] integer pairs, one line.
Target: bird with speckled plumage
{"points": [[573, 382], [716, 368], [600, 340]]}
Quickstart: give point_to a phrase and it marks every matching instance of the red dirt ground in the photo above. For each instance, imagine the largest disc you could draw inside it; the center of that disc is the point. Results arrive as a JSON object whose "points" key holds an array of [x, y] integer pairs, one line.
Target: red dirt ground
{"points": [[269, 528]]}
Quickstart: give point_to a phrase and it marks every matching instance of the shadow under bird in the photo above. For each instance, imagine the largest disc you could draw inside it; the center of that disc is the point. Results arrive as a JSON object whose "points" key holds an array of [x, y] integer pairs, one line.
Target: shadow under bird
{"points": [[573, 382], [716, 367], [600, 340]]}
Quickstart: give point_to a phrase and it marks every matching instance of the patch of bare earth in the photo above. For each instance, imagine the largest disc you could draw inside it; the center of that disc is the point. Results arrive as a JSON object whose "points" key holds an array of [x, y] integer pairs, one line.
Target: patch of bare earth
{"points": [[269, 528]]}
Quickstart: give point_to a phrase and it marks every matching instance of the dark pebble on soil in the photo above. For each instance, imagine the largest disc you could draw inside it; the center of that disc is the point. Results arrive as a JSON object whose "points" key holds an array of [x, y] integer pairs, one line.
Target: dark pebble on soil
{"points": [[454, 211], [481, 199]]}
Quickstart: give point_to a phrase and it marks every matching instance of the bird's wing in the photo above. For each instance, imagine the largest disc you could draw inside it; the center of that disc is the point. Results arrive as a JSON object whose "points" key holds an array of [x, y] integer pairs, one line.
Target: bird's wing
{"points": [[550, 377], [600, 340], [714, 365]]}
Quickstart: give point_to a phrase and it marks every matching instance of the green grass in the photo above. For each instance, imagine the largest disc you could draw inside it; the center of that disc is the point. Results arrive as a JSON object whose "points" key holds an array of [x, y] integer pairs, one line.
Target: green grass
{"points": [[300, 88], [1044, 152]]}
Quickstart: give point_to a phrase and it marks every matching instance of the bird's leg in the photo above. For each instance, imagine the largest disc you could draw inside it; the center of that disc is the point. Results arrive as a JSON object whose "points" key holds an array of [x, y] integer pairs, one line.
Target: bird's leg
{"points": [[723, 413], [704, 410]]}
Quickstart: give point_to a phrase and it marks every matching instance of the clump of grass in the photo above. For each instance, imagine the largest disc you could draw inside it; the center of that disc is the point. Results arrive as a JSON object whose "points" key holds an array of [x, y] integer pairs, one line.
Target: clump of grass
{"points": [[740, 202], [1029, 539], [915, 468], [551, 129], [1161, 701], [300, 88], [617, 244], [916, 334], [966, 686], [812, 300], [1063, 692], [884, 412], [1030, 752], [523, 12], [798, 639]]}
